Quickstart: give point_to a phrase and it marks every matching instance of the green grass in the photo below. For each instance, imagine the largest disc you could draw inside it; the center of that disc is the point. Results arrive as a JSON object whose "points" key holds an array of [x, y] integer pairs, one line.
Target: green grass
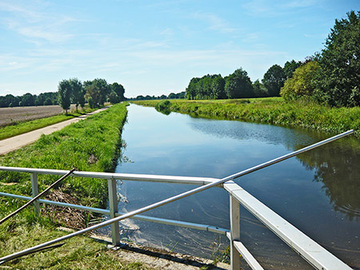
{"points": [[79, 252], [274, 111], [23, 127], [98, 137]]}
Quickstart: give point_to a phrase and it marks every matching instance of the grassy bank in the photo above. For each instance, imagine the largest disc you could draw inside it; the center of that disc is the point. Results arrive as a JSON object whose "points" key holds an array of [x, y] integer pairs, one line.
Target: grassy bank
{"points": [[77, 253], [90, 145], [27, 126], [269, 111]]}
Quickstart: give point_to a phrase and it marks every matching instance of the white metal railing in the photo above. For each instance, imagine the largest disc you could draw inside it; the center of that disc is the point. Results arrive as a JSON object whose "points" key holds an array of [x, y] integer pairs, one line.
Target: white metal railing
{"points": [[311, 251]]}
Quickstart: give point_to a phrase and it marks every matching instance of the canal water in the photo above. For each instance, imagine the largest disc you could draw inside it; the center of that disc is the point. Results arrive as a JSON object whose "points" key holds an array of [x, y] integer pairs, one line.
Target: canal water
{"points": [[318, 191]]}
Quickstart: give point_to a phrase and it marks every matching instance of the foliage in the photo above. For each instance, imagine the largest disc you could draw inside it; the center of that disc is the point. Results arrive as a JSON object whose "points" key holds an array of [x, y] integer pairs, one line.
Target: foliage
{"points": [[274, 79], [65, 92], [238, 85], [119, 90], [340, 63], [207, 87], [180, 95], [302, 83], [290, 67], [77, 93], [98, 90], [259, 89], [163, 106], [27, 100]]}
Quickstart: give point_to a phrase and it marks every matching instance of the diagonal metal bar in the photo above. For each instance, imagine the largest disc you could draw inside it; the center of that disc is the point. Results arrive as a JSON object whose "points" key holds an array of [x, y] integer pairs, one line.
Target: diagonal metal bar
{"points": [[182, 195], [37, 197]]}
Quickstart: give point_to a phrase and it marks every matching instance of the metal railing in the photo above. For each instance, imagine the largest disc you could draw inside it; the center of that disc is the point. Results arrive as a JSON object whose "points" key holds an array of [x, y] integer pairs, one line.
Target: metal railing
{"points": [[307, 248]]}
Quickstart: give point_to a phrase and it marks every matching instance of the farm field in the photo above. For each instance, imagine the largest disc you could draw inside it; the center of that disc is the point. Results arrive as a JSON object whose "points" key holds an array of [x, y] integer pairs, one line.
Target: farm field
{"points": [[14, 115]]}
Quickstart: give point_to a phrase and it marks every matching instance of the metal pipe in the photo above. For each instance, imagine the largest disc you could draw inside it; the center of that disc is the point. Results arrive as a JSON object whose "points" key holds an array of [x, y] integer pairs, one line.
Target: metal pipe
{"points": [[36, 197], [201, 227], [182, 195], [121, 176]]}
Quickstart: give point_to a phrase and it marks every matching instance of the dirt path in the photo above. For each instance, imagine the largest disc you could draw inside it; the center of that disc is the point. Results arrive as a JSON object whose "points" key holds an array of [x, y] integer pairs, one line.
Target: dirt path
{"points": [[16, 142]]}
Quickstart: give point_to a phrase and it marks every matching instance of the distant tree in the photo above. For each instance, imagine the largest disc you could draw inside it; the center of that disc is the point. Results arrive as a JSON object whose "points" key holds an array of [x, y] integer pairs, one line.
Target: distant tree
{"points": [[119, 90], [290, 67], [238, 85], [259, 89], [302, 83], [48, 101], [77, 93], [9, 101], [98, 90], [218, 87], [274, 79], [64, 90], [340, 63], [28, 100], [114, 98], [191, 89]]}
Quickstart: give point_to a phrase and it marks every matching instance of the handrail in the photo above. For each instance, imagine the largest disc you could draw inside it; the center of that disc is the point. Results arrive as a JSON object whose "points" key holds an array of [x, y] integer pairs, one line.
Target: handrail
{"points": [[311, 251], [121, 176], [312, 257]]}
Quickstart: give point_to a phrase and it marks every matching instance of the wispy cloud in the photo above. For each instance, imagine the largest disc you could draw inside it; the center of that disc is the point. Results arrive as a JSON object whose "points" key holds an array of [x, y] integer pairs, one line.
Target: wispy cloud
{"points": [[215, 22], [34, 23]]}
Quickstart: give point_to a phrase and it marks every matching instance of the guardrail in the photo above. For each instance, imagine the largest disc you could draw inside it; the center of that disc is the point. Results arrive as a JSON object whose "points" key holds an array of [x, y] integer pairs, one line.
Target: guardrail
{"points": [[281, 227], [307, 248]]}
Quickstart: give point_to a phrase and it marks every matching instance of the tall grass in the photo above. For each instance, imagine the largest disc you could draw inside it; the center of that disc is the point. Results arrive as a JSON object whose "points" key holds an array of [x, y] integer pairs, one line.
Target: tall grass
{"points": [[275, 111]]}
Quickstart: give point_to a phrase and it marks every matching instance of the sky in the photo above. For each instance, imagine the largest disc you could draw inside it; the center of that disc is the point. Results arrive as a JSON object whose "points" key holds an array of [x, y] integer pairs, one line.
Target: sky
{"points": [[155, 47]]}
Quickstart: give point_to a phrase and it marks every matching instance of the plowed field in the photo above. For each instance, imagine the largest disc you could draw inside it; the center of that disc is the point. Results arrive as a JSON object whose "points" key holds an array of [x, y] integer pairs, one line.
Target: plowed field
{"points": [[13, 115]]}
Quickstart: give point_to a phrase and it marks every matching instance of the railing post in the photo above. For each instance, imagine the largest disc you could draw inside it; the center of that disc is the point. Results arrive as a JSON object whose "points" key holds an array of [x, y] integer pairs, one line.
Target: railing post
{"points": [[35, 191], [113, 206], [235, 232]]}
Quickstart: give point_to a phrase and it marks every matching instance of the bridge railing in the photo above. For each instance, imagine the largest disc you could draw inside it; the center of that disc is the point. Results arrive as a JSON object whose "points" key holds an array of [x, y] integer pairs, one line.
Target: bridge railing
{"points": [[307, 248]]}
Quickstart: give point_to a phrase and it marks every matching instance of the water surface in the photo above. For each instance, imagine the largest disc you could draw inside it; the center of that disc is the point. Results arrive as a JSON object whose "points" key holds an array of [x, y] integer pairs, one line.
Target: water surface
{"points": [[318, 192]]}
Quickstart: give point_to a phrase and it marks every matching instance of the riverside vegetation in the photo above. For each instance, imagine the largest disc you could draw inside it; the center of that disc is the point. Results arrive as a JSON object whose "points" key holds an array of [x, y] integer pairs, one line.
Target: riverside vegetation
{"points": [[276, 111], [93, 145]]}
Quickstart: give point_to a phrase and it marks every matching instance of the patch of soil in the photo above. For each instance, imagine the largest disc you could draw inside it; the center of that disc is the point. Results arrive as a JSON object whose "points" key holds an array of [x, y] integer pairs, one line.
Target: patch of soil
{"points": [[69, 217], [10, 116]]}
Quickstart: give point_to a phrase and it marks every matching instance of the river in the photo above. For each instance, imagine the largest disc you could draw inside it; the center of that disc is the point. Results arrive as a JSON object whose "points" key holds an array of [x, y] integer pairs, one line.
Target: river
{"points": [[318, 191]]}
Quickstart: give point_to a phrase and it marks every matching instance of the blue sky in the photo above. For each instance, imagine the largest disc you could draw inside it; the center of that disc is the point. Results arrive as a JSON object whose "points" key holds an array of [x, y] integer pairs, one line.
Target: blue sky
{"points": [[155, 47]]}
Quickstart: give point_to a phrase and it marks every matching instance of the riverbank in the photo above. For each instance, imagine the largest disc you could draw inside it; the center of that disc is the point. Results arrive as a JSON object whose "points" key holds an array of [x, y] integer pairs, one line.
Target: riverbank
{"points": [[273, 111], [89, 145]]}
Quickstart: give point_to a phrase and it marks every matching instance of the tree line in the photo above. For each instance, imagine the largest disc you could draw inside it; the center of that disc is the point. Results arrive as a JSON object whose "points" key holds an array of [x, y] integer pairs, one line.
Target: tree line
{"points": [[239, 85], [330, 77], [95, 92], [180, 95], [48, 98], [71, 91]]}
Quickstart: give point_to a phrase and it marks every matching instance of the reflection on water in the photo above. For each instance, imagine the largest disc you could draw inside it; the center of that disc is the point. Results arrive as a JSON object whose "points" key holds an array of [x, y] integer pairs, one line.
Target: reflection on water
{"points": [[317, 191], [336, 167]]}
